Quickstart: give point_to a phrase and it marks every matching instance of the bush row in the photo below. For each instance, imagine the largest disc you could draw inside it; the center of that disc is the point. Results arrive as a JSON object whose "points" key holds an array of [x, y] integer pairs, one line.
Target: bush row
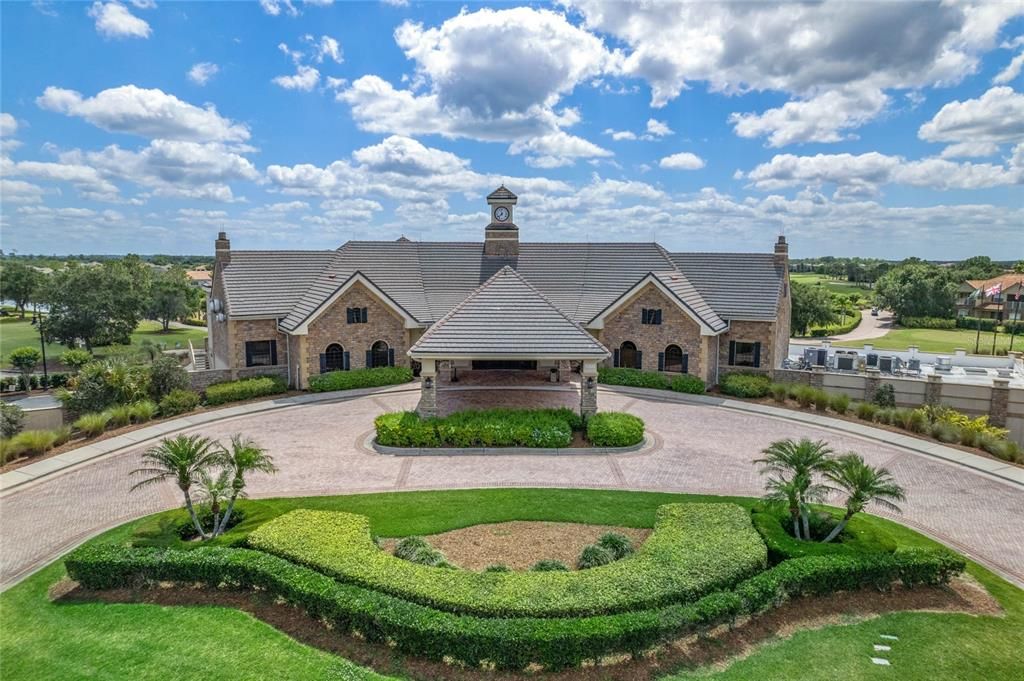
{"points": [[479, 428], [740, 384], [359, 378], [836, 329], [680, 383], [555, 643], [694, 549], [928, 322], [33, 382], [782, 546], [614, 429], [245, 389]]}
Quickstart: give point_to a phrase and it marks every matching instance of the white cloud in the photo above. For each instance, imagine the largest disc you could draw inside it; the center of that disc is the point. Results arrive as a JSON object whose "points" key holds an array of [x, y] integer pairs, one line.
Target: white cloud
{"points": [[286, 207], [1011, 71], [619, 135], [275, 7], [325, 47], [684, 160], [19, 191], [970, 150], [819, 119], [396, 3], [997, 116], [406, 156], [305, 78], [556, 149], [114, 20], [86, 179], [658, 128], [8, 125], [201, 73], [145, 112]]}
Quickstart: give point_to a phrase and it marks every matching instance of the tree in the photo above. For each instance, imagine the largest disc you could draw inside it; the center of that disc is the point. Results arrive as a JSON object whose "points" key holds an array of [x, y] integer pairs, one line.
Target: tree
{"points": [[19, 283], [862, 483], [214, 489], [810, 305], [801, 461], [97, 305], [244, 457], [166, 375], [917, 289], [783, 492], [1018, 267], [24, 359], [978, 267], [76, 359], [182, 459], [170, 297]]}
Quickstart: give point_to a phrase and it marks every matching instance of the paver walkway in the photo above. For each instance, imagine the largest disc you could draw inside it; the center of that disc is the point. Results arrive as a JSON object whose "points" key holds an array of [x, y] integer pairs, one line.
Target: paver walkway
{"points": [[704, 449]]}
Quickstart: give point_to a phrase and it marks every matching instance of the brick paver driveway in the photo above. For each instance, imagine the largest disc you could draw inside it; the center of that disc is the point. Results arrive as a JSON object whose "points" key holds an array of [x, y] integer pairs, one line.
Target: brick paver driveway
{"points": [[318, 449]]}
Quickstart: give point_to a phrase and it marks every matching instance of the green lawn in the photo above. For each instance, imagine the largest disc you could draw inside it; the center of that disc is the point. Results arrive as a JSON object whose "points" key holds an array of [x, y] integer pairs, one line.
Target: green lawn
{"points": [[834, 285], [15, 333], [143, 642], [938, 340]]}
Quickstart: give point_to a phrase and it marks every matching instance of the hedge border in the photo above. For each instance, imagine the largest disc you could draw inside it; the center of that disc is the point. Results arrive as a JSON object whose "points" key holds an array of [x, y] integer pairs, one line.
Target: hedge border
{"points": [[506, 643]]}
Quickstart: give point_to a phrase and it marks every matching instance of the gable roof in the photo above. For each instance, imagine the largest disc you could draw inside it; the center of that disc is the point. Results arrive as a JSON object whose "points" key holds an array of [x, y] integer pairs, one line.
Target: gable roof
{"points": [[267, 283], [736, 285], [507, 317], [674, 286], [501, 193]]}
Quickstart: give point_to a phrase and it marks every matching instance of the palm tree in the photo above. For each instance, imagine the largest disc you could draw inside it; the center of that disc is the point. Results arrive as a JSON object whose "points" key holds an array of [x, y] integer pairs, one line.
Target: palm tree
{"points": [[245, 456], [215, 489], [801, 461], [783, 492], [180, 459], [862, 483]]}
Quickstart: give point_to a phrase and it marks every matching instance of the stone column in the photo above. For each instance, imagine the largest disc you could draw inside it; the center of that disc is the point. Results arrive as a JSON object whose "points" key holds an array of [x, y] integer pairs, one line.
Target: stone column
{"points": [[564, 370], [874, 377], [427, 406], [588, 389], [1000, 402], [933, 390], [817, 377]]}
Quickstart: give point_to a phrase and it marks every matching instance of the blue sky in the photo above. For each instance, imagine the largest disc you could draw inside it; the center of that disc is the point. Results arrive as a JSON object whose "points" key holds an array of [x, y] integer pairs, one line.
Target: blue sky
{"points": [[887, 129]]}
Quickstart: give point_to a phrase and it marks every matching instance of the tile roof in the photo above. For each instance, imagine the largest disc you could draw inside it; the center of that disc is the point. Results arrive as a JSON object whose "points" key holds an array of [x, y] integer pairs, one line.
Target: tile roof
{"points": [[735, 285], [501, 193], [507, 316], [687, 293], [268, 283], [1007, 280]]}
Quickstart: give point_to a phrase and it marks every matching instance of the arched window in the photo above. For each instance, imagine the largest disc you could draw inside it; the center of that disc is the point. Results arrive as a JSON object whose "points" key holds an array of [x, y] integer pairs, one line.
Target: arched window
{"points": [[380, 355], [628, 356], [675, 360], [334, 358]]}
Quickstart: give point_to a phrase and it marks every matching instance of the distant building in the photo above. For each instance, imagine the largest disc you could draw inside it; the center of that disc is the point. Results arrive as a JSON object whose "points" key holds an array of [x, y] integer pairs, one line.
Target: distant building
{"points": [[1000, 297]]}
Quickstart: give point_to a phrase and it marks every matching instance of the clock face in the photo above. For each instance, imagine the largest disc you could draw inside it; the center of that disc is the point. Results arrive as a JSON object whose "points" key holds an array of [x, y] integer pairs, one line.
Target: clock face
{"points": [[501, 213]]}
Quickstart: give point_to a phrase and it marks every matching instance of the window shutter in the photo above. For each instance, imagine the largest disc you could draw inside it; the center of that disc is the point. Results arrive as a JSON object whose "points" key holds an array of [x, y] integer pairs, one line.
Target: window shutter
{"points": [[362, 315], [732, 353], [369, 359], [615, 358], [757, 354], [348, 315], [323, 363], [643, 316], [661, 361], [391, 355], [686, 363], [345, 361], [657, 316], [273, 352], [639, 360]]}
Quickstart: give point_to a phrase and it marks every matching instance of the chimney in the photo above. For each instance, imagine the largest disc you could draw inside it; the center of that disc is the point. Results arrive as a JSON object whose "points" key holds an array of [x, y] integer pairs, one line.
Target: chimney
{"points": [[501, 237], [222, 249], [781, 258]]}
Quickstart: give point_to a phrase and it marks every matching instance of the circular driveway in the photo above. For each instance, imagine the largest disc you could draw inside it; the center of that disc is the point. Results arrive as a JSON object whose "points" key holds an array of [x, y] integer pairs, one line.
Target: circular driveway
{"points": [[317, 447]]}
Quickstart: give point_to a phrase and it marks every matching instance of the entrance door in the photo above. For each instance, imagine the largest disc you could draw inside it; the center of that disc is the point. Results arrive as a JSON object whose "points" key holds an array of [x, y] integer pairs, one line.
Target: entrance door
{"points": [[504, 365]]}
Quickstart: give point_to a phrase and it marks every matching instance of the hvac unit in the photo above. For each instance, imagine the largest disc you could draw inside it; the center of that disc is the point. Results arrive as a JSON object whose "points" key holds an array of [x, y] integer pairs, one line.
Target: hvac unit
{"points": [[914, 365], [889, 364], [873, 359], [846, 360]]}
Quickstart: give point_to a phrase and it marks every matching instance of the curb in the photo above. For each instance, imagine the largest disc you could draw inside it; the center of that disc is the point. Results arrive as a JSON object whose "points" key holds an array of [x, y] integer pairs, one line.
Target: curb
{"points": [[370, 443], [1001, 470]]}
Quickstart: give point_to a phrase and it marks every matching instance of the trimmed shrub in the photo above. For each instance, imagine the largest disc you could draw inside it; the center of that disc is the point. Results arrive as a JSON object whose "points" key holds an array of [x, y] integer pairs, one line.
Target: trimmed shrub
{"points": [[549, 565], [245, 389], [179, 402], [974, 323], [548, 428], [142, 411], [428, 556], [885, 396], [685, 383], [92, 425], [121, 415], [12, 418], [780, 391], [614, 429], [927, 323], [745, 385], [359, 378], [865, 411], [840, 403], [34, 442], [594, 556], [166, 375], [498, 567], [694, 549], [632, 377], [408, 547], [555, 643], [76, 359], [186, 529], [618, 544]]}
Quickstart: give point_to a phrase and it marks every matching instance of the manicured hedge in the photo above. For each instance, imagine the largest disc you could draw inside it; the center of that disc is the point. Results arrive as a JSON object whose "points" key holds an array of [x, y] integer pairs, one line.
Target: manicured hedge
{"points": [[359, 378], [247, 388], [614, 429], [681, 383], [694, 549], [745, 385], [927, 323], [685, 383], [782, 546], [555, 643], [547, 428]]}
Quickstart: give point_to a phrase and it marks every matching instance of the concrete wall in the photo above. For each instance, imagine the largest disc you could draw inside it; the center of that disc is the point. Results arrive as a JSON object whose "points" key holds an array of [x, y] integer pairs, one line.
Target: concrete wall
{"points": [[200, 380], [47, 418]]}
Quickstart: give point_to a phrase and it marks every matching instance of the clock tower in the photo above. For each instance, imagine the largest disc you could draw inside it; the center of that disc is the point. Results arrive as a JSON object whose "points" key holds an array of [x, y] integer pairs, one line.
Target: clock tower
{"points": [[501, 238]]}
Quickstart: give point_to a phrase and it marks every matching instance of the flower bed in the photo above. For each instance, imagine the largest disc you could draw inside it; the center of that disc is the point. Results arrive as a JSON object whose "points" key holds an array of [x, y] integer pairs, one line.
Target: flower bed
{"points": [[359, 378], [694, 549]]}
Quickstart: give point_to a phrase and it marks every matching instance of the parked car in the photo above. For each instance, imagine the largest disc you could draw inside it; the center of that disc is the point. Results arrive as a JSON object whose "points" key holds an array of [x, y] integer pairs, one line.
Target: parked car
{"points": [[874, 312]]}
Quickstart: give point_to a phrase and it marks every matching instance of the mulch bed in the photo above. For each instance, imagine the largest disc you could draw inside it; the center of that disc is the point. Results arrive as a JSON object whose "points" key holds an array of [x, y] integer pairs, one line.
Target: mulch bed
{"points": [[519, 544], [718, 648]]}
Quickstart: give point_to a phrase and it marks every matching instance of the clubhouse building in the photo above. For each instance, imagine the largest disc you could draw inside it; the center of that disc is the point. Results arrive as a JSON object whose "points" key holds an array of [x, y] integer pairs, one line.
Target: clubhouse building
{"points": [[447, 308]]}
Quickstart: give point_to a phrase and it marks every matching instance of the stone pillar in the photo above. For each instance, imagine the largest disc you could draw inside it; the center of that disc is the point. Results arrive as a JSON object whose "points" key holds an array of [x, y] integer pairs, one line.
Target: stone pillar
{"points": [[1000, 402], [933, 390], [427, 406], [817, 377], [588, 389], [871, 383]]}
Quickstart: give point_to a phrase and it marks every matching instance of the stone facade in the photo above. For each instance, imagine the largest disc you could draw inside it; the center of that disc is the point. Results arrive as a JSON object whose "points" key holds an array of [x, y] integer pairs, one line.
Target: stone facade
{"points": [[754, 332], [243, 330], [676, 328], [382, 323]]}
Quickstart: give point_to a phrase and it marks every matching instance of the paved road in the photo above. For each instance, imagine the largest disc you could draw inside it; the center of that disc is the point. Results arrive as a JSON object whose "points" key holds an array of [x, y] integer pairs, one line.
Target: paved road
{"points": [[318, 449], [869, 327]]}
